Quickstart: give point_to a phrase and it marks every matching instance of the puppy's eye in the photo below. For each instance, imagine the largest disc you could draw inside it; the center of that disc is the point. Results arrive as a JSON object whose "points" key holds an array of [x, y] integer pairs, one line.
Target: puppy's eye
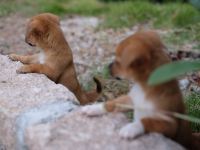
{"points": [[36, 32], [137, 63]]}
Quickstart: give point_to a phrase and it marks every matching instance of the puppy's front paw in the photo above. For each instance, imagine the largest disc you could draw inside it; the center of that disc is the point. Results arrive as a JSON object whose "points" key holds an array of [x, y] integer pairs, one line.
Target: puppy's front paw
{"points": [[132, 130], [23, 69], [93, 110], [13, 57]]}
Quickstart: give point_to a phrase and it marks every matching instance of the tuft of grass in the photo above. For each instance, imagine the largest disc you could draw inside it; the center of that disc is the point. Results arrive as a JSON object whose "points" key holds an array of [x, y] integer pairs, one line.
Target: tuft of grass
{"points": [[33, 7], [185, 15], [126, 14], [192, 102], [129, 13], [183, 36], [6, 8], [56, 9], [86, 7], [61, 7]]}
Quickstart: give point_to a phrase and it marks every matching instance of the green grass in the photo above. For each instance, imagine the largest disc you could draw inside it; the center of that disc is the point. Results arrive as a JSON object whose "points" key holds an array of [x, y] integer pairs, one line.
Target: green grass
{"points": [[182, 17], [193, 107], [38, 6], [6, 8], [169, 15], [183, 36], [61, 7], [116, 14], [86, 7]]}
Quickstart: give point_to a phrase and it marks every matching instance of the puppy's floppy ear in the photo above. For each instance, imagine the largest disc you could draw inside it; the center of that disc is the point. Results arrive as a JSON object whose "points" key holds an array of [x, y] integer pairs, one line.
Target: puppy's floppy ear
{"points": [[53, 18], [140, 62], [39, 30]]}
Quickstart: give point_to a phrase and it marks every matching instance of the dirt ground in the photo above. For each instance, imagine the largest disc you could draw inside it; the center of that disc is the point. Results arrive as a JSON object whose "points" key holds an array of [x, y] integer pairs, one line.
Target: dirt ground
{"points": [[92, 47]]}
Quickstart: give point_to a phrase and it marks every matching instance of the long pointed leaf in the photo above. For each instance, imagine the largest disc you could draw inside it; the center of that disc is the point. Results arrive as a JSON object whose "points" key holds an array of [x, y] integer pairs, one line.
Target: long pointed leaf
{"points": [[173, 70], [187, 118]]}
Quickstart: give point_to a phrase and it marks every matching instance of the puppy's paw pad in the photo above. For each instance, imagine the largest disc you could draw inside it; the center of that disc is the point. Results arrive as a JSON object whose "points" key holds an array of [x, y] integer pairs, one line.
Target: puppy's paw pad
{"points": [[131, 130], [93, 110], [13, 57]]}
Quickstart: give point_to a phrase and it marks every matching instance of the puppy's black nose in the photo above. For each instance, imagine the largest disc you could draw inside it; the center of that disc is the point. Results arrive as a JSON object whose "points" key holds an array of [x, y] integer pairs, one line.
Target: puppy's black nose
{"points": [[30, 44], [118, 78]]}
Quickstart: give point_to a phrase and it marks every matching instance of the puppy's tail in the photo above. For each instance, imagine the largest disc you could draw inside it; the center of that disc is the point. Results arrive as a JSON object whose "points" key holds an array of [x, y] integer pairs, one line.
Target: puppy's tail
{"points": [[98, 85], [94, 95]]}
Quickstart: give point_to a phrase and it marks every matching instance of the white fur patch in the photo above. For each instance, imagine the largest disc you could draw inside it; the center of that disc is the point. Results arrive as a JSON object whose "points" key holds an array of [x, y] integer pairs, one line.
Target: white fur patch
{"points": [[142, 107], [41, 57], [132, 130], [93, 110]]}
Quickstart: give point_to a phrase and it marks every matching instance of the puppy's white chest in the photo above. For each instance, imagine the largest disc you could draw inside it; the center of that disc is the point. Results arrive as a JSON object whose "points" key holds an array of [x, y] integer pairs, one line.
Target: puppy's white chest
{"points": [[142, 106], [41, 57]]}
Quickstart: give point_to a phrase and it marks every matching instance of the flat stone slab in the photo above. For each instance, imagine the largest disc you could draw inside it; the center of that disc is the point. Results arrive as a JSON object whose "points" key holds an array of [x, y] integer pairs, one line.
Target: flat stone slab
{"points": [[78, 132], [28, 99]]}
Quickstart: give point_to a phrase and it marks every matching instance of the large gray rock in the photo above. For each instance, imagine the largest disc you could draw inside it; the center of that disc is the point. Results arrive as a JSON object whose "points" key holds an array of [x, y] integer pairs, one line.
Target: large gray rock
{"points": [[28, 99], [34, 115], [77, 132]]}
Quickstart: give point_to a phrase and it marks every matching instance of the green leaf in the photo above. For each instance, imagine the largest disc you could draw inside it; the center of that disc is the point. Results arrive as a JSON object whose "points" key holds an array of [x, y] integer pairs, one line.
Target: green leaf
{"points": [[187, 118], [172, 70]]}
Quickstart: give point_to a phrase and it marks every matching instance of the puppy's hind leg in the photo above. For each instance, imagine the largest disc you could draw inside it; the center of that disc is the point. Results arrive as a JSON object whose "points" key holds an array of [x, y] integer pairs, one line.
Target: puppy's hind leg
{"points": [[165, 127], [146, 125]]}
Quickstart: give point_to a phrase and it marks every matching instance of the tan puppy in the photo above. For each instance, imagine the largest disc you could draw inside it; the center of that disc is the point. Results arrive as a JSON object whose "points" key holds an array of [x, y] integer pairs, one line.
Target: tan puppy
{"points": [[55, 59], [136, 58]]}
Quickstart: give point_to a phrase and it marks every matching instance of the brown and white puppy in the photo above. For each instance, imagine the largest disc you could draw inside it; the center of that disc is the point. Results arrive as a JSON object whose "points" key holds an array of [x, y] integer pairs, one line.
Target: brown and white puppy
{"points": [[55, 59], [136, 57]]}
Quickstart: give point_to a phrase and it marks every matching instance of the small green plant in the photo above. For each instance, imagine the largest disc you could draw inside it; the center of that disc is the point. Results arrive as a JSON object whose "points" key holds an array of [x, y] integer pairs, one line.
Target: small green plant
{"points": [[6, 8], [172, 70], [192, 102], [178, 38]]}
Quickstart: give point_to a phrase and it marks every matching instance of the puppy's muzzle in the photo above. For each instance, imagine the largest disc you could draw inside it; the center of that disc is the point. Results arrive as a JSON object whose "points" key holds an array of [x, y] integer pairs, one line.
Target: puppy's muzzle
{"points": [[110, 67], [29, 43]]}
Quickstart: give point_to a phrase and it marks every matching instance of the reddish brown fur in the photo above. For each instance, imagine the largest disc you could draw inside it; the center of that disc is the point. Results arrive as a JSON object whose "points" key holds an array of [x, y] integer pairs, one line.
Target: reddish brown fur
{"points": [[136, 58], [44, 31]]}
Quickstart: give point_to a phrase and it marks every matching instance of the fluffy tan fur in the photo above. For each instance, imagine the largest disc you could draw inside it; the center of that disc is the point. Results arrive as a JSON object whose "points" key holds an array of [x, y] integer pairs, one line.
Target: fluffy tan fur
{"points": [[55, 60]]}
